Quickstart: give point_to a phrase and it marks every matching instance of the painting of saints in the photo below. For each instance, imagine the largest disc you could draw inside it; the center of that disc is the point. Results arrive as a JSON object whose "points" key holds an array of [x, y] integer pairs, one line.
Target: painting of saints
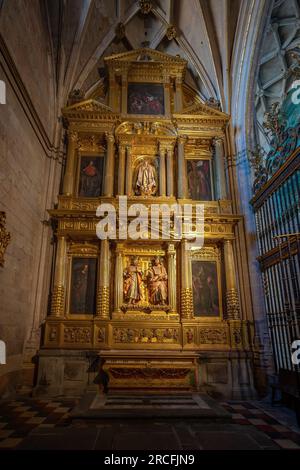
{"points": [[133, 282], [146, 184], [199, 181], [83, 285], [145, 98], [90, 181], [157, 283], [205, 288]]}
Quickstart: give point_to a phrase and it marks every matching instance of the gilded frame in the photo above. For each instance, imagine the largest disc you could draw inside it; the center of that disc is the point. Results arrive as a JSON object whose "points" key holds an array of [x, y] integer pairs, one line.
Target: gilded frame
{"points": [[205, 156], [210, 254], [80, 250], [99, 153]]}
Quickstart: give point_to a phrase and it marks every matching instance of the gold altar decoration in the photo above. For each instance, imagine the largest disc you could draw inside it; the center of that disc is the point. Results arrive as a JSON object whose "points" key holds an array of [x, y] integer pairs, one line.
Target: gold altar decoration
{"points": [[144, 141]]}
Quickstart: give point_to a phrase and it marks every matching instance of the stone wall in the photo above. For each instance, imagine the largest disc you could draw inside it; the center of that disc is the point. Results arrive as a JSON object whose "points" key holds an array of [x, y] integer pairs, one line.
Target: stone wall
{"points": [[28, 180]]}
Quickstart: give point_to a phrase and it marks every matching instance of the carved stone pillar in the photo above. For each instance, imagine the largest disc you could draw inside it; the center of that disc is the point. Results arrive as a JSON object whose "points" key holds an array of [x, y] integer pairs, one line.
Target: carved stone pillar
{"points": [[121, 175], [219, 164], [68, 188], [172, 277], [162, 171], [232, 298], [128, 173], [110, 166], [187, 308], [170, 172], [103, 287], [58, 294], [181, 168], [118, 282]]}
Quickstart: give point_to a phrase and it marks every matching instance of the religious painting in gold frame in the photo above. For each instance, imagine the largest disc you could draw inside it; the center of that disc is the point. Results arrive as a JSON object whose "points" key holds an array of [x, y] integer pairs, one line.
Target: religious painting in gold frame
{"points": [[82, 275], [90, 175], [145, 98], [199, 179], [206, 282]]}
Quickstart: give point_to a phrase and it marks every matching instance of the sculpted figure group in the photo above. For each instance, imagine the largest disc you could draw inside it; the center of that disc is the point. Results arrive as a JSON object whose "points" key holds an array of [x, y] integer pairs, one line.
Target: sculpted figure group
{"points": [[155, 279]]}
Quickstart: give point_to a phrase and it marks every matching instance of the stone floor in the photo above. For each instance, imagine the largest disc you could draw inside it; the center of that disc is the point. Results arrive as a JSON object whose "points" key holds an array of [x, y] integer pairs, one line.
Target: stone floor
{"points": [[27, 423]]}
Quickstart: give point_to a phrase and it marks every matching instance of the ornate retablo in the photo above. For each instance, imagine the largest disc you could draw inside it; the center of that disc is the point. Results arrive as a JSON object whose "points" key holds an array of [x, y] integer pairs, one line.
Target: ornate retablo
{"points": [[152, 139]]}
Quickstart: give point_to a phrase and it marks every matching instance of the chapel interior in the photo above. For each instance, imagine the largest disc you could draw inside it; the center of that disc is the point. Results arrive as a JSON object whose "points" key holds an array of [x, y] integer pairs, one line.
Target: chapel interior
{"points": [[173, 103]]}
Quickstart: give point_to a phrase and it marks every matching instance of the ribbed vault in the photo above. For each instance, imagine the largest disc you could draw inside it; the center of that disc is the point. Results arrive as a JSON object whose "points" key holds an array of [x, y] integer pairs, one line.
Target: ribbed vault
{"points": [[83, 32]]}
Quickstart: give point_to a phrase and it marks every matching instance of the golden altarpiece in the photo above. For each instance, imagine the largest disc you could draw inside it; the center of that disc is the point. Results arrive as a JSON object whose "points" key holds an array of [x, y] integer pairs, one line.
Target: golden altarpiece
{"points": [[161, 317]]}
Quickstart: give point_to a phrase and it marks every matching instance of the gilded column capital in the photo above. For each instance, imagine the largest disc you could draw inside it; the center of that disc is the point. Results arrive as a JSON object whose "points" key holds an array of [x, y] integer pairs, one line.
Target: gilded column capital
{"points": [[182, 139], [72, 136], [219, 140], [110, 138]]}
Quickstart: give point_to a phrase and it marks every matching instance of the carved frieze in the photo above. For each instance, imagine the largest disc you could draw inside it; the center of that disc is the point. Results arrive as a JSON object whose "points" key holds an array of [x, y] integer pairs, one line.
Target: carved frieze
{"points": [[146, 335], [213, 335], [76, 334]]}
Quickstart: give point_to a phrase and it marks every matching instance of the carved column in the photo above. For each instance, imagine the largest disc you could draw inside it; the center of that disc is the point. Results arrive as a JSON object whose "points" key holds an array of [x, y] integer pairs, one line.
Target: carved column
{"points": [[103, 284], [124, 91], [170, 172], [172, 277], [181, 168], [118, 282], [162, 171], [219, 163], [128, 172], [232, 298], [187, 308], [167, 99], [121, 175], [110, 166], [112, 93], [178, 95], [68, 188], [58, 294]]}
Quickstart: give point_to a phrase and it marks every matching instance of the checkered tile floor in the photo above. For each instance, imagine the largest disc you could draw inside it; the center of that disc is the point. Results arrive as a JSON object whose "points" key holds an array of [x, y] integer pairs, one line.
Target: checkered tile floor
{"points": [[18, 418], [249, 414]]}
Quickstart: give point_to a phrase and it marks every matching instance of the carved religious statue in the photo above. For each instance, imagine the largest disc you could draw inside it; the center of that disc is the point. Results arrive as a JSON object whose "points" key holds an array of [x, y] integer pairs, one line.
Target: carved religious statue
{"points": [[146, 184], [133, 281], [157, 283]]}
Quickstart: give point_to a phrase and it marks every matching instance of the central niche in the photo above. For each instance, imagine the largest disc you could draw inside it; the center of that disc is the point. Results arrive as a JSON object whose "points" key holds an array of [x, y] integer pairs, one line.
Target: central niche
{"points": [[145, 281], [145, 176]]}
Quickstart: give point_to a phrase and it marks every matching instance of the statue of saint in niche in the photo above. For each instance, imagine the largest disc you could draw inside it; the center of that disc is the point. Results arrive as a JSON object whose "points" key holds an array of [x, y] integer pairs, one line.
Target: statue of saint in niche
{"points": [[146, 184], [157, 283], [133, 282]]}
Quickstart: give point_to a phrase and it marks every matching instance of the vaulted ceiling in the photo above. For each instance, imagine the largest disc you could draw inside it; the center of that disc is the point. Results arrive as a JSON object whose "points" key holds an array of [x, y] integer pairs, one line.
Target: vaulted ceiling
{"points": [[201, 31], [277, 62]]}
